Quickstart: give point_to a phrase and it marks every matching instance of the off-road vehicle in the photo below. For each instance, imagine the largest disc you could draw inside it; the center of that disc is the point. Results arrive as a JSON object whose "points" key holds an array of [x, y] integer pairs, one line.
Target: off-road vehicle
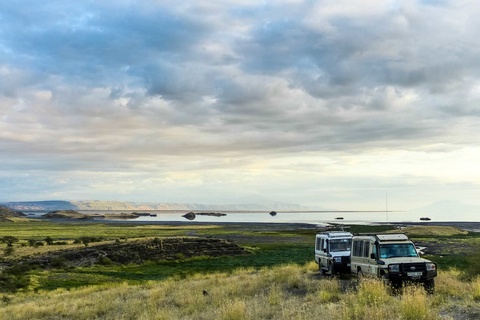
{"points": [[392, 257], [332, 251]]}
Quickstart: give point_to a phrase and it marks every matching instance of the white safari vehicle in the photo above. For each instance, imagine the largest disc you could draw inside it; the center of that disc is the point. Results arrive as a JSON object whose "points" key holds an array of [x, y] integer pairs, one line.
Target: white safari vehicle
{"points": [[332, 251], [392, 257]]}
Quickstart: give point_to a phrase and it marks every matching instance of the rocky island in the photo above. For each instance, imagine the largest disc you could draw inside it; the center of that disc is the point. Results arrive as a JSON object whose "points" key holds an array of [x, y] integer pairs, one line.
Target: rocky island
{"points": [[193, 215], [75, 215]]}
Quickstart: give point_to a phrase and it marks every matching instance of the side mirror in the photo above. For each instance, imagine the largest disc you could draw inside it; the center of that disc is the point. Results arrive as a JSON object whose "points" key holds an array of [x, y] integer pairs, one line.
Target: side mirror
{"points": [[372, 256]]}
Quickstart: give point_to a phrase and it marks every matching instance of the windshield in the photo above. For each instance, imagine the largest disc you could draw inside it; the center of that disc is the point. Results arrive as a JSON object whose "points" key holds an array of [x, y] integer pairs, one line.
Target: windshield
{"points": [[340, 245], [397, 250]]}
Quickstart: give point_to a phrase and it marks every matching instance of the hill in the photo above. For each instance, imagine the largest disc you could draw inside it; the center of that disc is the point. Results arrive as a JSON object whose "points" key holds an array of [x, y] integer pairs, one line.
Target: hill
{"points": [[97, 205], [6, 213]]}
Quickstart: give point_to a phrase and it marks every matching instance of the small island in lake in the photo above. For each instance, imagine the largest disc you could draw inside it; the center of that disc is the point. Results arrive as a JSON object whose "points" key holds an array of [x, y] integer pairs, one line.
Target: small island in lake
{"points": [[193, 215]]}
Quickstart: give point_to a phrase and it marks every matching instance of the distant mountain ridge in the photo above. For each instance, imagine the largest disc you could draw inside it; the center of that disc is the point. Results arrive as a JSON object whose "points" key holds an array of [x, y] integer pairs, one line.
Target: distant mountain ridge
{"points": [[132, 206]]}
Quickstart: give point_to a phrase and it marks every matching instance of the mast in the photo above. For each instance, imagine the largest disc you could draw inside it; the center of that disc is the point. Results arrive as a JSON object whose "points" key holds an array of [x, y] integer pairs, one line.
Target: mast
{"points": [[386, 205]]}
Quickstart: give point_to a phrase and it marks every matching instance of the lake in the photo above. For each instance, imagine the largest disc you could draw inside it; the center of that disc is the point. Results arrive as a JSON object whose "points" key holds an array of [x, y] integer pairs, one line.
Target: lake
{"points": [[310, 217]]}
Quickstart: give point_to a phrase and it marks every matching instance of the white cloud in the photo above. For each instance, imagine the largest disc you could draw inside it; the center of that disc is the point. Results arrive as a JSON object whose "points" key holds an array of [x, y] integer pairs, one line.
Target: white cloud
{"points": [[321, 102]]}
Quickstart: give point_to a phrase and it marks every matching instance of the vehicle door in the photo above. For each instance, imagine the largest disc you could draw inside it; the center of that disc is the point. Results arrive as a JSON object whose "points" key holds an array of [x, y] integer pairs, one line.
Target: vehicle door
{"points": [[359, 262]]}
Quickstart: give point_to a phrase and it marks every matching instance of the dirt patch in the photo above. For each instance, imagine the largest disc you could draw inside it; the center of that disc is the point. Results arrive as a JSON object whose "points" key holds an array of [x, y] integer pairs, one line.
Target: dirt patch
{"points": [[439, 248]]}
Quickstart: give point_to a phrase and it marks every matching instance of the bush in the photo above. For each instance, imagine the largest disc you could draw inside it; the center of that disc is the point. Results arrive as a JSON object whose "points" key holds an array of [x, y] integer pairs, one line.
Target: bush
{"points": [[88, 240], [48, 241], [12, 283], [58, 262], [105, 261], [39, 244]]}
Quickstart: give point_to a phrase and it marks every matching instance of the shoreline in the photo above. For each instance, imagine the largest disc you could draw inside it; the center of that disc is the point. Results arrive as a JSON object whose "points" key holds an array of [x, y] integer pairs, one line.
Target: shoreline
{"points": [[473, 226]]}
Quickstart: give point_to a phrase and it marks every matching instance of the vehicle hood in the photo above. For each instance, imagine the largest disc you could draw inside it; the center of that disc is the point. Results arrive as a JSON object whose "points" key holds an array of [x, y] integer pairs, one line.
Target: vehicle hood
{"points": [[405, 260]]}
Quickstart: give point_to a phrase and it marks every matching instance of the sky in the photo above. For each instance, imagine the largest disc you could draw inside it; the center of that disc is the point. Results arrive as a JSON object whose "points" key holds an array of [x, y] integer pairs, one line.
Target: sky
{"points": [[333, 104]]}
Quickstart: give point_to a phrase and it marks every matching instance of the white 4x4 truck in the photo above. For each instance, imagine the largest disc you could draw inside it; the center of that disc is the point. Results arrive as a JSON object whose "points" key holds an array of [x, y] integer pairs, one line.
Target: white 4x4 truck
{"points": [[392, 257], [332, 251]]}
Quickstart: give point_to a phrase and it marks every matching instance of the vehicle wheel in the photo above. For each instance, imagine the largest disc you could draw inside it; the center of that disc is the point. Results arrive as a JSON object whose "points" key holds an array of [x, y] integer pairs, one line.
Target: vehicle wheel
{"points": [[429, 286], [358, 279], [333, 271], [322, 270], [359, 273]]}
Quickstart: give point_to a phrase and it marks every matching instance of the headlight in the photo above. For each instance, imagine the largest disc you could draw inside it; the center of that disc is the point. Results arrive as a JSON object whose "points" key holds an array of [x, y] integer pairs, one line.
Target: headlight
{"points": [[394, 268], [431, 266], [337, 259]]}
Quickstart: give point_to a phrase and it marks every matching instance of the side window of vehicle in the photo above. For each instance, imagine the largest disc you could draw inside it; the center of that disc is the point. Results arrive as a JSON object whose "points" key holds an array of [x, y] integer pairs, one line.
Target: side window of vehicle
{"points": [[366, 248], [317, 244], [357, 248]]}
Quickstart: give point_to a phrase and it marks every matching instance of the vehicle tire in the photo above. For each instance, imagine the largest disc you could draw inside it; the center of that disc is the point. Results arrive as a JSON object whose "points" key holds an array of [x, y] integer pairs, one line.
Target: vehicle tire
{"points": [[429, 286], [359, 272], [358, 279], [333, 271], [322, 270]]}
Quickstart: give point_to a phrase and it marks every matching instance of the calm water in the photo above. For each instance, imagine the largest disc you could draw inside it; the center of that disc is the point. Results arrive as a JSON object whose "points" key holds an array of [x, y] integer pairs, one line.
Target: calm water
{"points": [[311, 217]]}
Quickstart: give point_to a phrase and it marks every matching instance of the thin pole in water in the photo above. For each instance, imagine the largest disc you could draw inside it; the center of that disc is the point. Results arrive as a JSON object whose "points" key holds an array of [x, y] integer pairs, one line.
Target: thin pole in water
{"points": [[386, 205]]}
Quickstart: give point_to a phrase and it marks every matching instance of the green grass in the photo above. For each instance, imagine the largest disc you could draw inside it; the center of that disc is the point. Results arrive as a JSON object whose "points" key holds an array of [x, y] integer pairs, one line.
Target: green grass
{"points": [[72, 230], [261, 256]]}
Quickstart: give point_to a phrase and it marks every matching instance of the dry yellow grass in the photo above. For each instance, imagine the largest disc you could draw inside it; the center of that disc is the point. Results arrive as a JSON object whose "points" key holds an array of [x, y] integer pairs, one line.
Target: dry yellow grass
{"points": [[284, 292]]}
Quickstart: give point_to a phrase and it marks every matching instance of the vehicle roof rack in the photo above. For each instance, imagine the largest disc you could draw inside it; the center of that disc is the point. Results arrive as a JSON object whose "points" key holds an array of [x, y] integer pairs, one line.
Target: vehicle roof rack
{"points": [[384, 237], [336, 233]]}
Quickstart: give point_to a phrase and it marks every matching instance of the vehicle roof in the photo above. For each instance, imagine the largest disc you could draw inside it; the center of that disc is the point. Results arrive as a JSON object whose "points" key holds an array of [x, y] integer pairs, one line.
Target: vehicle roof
{"points": [[385, 237], [336, 234]]}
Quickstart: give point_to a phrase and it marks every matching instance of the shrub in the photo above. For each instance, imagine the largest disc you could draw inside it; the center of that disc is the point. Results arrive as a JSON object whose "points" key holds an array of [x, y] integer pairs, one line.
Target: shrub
{"points": [[39, 244], [12, 282], [48, 241], [105, 261], [58, 262]]}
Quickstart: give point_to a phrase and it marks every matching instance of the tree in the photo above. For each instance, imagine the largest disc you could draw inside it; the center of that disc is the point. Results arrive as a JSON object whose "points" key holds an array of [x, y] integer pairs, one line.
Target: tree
{"points": [[9, 240]]}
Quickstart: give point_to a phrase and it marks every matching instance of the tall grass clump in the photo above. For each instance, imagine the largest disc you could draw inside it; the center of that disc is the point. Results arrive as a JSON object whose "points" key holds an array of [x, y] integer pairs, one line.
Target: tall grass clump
{"points": [[449, 284], [414, 304], [372, 300], [328, 291], [235, 309], [289, 275], [476, 289]]}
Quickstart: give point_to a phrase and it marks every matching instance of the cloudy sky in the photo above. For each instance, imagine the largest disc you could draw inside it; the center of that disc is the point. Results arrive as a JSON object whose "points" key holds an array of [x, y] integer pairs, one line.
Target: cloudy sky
{"points": [[320, 103]]}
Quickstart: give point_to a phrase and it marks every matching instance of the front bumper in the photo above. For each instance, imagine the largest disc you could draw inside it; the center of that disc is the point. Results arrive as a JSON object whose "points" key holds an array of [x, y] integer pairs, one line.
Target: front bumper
{"points": [[418, 276]]}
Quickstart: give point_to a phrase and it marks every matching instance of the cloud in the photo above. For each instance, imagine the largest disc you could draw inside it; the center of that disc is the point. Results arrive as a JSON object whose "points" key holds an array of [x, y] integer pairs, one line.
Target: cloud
{"points": [[161, 88]]}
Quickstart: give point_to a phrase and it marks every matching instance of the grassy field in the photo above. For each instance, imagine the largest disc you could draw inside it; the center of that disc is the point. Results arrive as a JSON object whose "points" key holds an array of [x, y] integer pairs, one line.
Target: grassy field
{"points": [[277, 280]]}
